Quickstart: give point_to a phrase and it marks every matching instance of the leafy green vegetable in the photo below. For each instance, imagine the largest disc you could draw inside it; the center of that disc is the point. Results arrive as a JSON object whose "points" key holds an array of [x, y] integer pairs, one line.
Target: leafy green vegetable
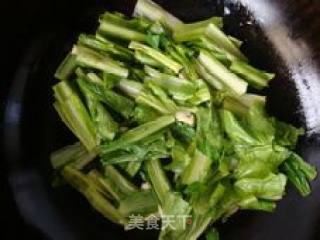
{"points": [[165, 108]]}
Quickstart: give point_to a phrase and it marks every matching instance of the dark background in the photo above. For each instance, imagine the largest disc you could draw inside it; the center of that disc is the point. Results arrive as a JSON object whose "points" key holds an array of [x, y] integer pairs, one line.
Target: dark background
{"points": [[21, 21]]}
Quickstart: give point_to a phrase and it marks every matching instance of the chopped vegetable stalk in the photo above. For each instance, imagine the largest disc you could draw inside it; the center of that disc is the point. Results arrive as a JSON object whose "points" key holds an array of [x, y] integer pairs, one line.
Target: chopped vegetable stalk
{"points": [[66, 68], [130, 88], [235, 106], [160, 94], [117, 102], [199, 225], [118, 31], [218, 70], [143, 203], [106, 46], [222, 41], [180, 159], [257, 78], [197, 169], [139, 133], [252, 203], [89, 58], [174, 205], [198, 27], [299, 173], [154, 12], [124, 185], [145, 59], [103, 186], [209, 78], [237, 42], [84, 185], [75, 115], [209, 44], [133, 168], [157, 56], [158, 179], [105, 125], [75, 154], [183, 56], [178, 88], [94, 78]]}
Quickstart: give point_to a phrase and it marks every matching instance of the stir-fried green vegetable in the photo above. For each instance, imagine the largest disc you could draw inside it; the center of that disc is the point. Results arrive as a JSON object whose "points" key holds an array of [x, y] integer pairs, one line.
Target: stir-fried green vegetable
{"points": [[164, 105]]}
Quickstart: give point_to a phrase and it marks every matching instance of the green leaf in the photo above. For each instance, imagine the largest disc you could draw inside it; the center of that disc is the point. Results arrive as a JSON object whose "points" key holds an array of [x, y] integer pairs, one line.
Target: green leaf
{"points": [[105, 126], [259, 161], [154, 147], [287, 135], [174, 205], [117, 102], [234, 130], [143, 114], [153, 40], [165, 100], [271, 187], [259, 125], [180, 159], [183, 132]]}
